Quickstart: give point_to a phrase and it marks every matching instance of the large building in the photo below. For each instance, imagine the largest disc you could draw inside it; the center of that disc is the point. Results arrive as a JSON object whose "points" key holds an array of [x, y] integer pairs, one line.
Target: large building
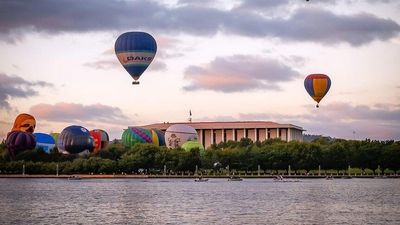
{"points": [[216, 132]]}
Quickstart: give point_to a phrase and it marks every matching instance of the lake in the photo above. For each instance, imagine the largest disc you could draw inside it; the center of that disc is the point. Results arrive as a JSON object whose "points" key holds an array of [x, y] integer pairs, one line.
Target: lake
{"points": [[183, 201]]}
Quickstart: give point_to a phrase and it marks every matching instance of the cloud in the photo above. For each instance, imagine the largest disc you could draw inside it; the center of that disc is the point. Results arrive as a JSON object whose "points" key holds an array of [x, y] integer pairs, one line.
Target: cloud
{"points": [[104, 64], [310, 24], [17, 87], [79, 113], [341, 119], [260, 5], [238, 73]]}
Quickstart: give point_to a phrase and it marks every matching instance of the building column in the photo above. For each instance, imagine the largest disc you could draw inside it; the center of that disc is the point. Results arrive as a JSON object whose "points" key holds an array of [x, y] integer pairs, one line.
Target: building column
{"points": [[201, 137], [266, 133], [212, 136], [244, 133], [289, 136], [223, 135], [233, 134], [255, 135], [277, 133]]}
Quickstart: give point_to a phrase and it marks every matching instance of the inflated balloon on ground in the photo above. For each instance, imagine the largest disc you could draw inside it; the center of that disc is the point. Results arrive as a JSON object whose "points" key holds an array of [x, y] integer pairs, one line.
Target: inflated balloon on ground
{"points": [[75, 139], [44, 141], [100, 138], [158, 137], [134, 135], [178, 134], [189, 145], [24, 122], [19, 141]]}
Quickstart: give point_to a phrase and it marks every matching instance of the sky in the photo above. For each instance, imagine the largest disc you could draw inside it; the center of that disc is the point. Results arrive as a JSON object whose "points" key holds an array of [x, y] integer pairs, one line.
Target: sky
{"points": [[223, 60]]}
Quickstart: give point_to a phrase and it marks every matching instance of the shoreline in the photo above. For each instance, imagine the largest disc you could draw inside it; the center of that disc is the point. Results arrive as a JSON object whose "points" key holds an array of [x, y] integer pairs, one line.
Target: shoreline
{"points": [[120, 176]]}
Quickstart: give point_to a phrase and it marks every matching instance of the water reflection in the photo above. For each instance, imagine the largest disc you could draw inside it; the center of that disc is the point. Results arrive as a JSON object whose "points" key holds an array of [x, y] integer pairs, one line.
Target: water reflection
{"points": [[183, 201]]}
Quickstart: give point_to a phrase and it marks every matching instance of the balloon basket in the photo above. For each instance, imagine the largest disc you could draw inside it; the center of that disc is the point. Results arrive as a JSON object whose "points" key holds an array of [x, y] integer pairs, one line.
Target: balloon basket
{"points": [[135, 82]]}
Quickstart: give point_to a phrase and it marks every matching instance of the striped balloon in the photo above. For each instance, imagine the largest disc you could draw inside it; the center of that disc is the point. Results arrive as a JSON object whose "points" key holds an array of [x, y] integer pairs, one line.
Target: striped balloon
{"points": [[158, 137], [135, 51], [317, 85], [134, 135]]}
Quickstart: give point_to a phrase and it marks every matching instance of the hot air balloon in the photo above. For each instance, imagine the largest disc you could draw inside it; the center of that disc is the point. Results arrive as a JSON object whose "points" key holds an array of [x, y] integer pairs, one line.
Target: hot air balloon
{"points": [[44, 141], [100, 138], [317, 85], [19, 141], [158, 137], [189, 145], [24, 122], [135, 51], [55, 136], [178, 134], [134, 135], [75, 140]]}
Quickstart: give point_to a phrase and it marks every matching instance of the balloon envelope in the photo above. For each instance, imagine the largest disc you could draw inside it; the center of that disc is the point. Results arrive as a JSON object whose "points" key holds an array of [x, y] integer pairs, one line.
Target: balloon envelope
{"points": [[158, 137], [55, 136], [134, 135], [178, 134], [24, 122], [317, 85], [75, 139], [189, 145], [19, 141], [135, 51], [100, 138], [44, 141]]}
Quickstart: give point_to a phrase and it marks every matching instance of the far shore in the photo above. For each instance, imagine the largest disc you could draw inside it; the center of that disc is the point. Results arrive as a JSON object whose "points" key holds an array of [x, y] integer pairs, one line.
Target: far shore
{"points": [[132, 176]]}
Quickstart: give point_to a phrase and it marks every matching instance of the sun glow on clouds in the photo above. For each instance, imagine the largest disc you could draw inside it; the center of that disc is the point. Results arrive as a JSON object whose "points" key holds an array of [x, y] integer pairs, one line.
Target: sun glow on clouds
{"points": [[72, 112], [239, 73]]}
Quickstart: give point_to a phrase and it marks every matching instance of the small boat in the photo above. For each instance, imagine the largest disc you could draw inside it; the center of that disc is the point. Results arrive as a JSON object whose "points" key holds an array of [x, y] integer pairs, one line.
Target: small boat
{"points": [[281, 179], [233, 178], [329, 178], [201, 179], [74, 177]]}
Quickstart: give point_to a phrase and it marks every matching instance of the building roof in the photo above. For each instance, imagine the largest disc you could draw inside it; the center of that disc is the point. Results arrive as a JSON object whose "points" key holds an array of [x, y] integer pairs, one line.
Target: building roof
{"points": [[224, 125]]}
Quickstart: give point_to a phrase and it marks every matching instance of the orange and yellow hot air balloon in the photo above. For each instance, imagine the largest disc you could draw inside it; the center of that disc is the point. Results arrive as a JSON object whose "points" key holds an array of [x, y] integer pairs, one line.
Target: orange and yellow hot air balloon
{"points": [[317, 85]]}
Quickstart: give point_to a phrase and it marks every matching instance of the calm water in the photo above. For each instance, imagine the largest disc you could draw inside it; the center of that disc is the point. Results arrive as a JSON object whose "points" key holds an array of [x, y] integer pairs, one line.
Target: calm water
{"points": [[183, 201]]}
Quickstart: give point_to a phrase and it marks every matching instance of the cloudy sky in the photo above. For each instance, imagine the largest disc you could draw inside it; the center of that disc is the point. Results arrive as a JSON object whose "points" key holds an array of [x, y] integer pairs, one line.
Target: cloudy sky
{"points": [[225, 60]]}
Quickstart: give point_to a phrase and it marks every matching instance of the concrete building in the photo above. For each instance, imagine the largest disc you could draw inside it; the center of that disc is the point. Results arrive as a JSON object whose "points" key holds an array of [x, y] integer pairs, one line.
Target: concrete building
{"points": [[216, 132]]}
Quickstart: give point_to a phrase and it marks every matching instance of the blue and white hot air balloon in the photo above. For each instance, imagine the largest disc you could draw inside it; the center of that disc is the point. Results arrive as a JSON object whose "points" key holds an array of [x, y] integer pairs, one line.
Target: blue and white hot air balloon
{"points": [[44, 141], [135, 51]]}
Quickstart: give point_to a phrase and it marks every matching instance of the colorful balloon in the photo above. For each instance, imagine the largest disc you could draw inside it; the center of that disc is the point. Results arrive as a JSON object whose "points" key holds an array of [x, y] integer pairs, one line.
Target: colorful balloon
{"points": [[135, 51], [44, 141], [100, 138], [158, 137], [24, 122], [75, 140], [189, 145], [55, 136], [317, 85], [19, 141], [134, 135], [178, 134]]}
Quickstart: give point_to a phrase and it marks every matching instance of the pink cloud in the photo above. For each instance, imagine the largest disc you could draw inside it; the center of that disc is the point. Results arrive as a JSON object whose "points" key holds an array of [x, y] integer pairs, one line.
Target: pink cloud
{"points": [[77, 113], [238, 73]]}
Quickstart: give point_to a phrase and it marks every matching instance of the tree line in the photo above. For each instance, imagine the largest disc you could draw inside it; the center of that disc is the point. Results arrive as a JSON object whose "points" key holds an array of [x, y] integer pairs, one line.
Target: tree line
{"points": [[244, 155]]}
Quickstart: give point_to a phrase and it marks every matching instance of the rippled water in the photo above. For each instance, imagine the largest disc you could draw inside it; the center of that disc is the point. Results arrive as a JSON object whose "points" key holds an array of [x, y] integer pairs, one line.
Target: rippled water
{"points": [[183, 201]]}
